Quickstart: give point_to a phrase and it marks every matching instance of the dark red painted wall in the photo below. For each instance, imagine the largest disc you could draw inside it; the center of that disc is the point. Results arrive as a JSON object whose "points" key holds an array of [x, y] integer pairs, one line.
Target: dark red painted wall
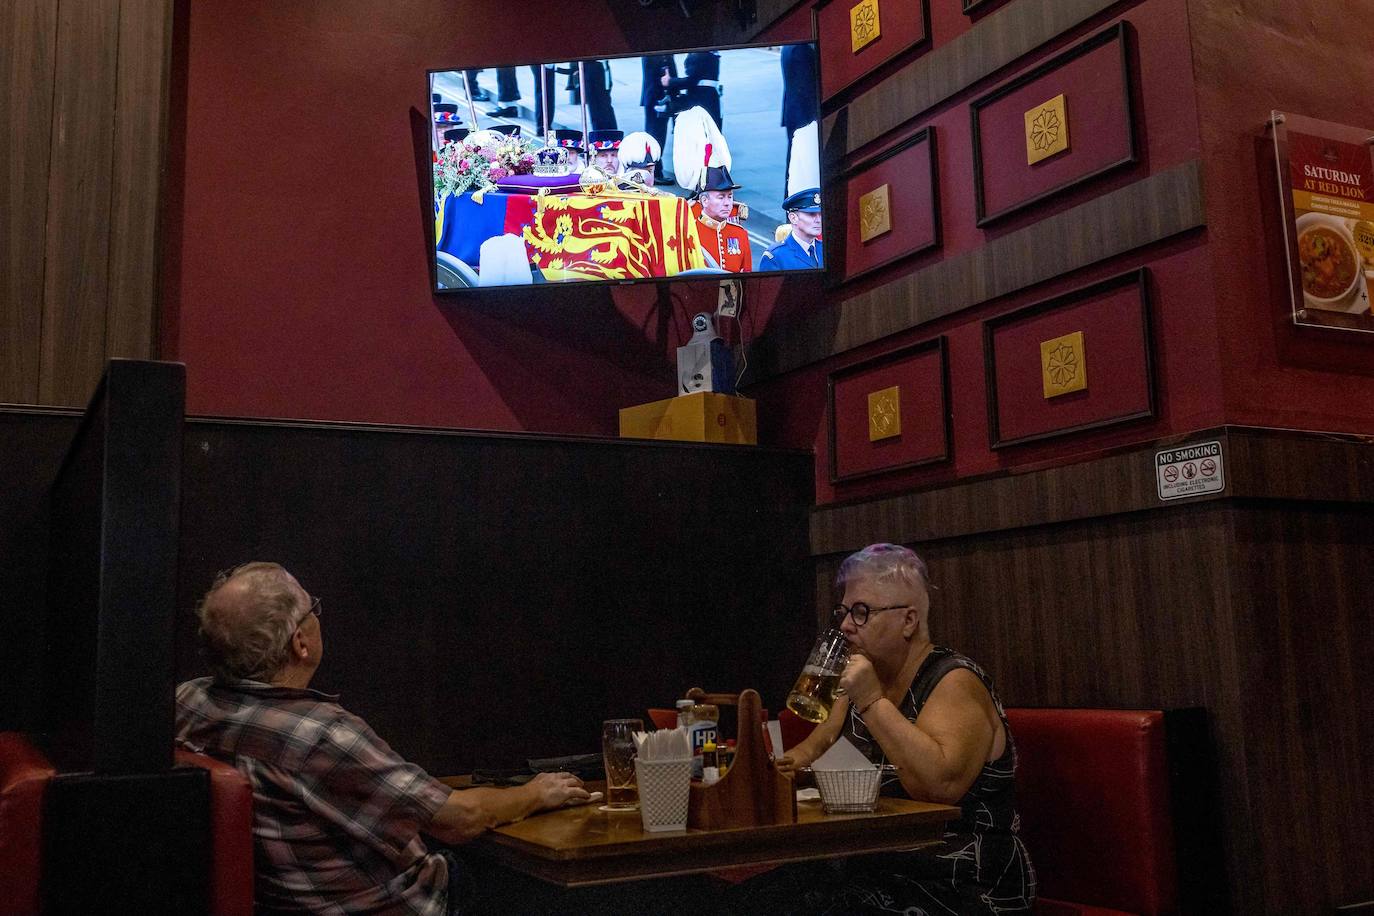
{"points": [[792, 409], [1225, 349], [1252, 57], [295, 243]]}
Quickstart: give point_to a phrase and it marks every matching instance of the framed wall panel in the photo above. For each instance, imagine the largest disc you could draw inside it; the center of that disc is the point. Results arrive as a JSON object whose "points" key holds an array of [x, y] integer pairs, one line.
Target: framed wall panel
{"points": [[913, 383], [904, 182], [1066, 122], [901, 26], [1105, 379]]}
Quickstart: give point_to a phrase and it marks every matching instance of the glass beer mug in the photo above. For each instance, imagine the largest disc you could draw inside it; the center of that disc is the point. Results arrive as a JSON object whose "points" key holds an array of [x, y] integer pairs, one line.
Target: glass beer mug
{"points": [[618, 753], [814, 692]]}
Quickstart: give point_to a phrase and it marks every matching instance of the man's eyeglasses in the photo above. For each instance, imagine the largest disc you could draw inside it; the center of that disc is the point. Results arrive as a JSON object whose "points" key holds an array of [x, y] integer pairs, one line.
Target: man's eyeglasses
{"points": [[314, 609], [861, 612]]}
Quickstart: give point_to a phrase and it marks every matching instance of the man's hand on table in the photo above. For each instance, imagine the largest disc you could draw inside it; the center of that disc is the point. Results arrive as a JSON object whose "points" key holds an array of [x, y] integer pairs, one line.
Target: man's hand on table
{"points": [[553, 790], [470, 812]]}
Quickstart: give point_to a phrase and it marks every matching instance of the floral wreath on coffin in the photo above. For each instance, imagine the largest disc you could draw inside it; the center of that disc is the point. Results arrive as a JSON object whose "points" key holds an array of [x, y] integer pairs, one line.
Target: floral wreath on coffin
{"points": [[479, 161]]}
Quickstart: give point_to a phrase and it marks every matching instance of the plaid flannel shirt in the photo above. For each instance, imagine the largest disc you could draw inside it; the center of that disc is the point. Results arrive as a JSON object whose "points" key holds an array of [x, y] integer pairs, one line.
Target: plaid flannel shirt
{"points": [[336, 812]]}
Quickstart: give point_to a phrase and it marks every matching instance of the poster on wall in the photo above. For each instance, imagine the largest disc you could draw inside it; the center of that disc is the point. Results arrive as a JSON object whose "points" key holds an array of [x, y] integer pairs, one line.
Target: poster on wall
{"points": [[1326, 184]]}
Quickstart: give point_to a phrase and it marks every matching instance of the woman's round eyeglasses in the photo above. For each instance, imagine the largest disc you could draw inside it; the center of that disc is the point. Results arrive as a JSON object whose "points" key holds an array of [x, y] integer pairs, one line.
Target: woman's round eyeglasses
{"points": [[860, 612]]}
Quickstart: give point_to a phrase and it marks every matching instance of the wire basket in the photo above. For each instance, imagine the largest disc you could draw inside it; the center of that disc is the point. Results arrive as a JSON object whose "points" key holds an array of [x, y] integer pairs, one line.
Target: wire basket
{"points": [[664, 791], [848, 791]]}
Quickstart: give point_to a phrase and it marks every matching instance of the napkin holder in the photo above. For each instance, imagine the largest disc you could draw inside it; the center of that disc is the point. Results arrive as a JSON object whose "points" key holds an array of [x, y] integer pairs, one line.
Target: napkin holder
{"points": [[752, 793]]}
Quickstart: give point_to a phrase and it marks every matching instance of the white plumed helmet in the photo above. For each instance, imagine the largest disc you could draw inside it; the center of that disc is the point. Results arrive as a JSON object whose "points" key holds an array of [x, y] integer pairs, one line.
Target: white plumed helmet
{"points": [[639, 150], [698, 145]]}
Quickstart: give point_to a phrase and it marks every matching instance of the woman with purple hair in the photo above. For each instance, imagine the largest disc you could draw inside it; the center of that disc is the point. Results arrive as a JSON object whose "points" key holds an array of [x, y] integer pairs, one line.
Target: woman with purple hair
{"points": [[935, 715]]}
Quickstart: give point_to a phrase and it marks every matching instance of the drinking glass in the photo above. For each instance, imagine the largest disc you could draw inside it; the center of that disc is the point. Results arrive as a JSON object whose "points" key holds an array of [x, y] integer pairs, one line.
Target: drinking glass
{"points": [[814, 693], [618, 753]]}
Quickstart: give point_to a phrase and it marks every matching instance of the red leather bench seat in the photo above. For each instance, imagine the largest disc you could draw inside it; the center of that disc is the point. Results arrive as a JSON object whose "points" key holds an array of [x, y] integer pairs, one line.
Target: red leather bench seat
{"points": [[1093, 792], [1092, 788], [231, 835], [24, 777]]}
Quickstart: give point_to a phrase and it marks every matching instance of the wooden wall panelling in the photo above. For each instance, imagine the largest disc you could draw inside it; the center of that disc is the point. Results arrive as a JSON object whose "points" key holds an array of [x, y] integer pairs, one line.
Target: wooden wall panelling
{"points": [[1076, 586], [1120, 482], [1100, 125], [913, 208], [84, 104], [474, 582], [1114, 317], [493, 598], [1127, 611], [993, 43], [903, 25], [145, 41], [1260, 464], [921, 373], [1264, 463], [1162, 205], [1115, 611], [28, 37], [77, 255], [1304, 573]]}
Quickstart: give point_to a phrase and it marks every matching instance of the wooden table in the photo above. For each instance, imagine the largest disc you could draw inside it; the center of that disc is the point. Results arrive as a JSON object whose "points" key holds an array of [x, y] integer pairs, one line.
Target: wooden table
{"points": [[576, 847]]}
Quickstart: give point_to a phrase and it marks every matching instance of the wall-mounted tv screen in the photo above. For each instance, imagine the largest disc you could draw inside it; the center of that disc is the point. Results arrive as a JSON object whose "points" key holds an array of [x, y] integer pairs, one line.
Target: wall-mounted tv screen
{"points": [[701, 163]]}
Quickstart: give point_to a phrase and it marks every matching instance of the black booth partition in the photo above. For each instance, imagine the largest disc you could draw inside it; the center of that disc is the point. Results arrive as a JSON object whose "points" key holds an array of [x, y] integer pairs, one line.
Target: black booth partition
{"points": [[111, 575], [123, 830]]}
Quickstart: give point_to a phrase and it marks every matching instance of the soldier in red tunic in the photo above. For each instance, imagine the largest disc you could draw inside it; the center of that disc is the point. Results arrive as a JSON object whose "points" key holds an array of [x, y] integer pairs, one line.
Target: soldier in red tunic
{"points": [[722, 237], [701, 159]]}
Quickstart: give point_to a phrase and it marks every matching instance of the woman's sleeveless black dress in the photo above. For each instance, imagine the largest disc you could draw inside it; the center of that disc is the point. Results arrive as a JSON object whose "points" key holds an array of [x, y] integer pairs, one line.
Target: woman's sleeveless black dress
{"points": [[983, 868]]}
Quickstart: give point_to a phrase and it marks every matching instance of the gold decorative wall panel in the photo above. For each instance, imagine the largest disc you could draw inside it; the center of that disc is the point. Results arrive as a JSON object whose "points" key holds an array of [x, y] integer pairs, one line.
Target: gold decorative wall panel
{"points": [[884, 413], [1047, 130], [864, 24], [1063, 365], [875, 213]]}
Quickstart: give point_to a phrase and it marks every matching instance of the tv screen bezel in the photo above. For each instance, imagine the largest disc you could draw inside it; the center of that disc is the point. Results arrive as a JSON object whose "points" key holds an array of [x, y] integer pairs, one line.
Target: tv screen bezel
{"points": [[817, 272]]}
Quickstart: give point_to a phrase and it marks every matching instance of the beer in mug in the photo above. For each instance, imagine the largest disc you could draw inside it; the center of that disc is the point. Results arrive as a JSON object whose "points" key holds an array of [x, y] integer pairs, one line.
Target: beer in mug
{"points": [[622, 793], [813, 694], [618, 753]]}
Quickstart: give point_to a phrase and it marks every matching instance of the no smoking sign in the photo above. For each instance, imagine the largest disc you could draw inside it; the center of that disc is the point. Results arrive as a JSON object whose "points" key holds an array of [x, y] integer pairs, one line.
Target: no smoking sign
{"points": [[1193, 470]]}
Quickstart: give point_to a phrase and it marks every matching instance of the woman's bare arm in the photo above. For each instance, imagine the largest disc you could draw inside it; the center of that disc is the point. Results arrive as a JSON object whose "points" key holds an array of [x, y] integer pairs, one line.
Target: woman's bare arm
{"points": [[818, 742], [939, 755]]}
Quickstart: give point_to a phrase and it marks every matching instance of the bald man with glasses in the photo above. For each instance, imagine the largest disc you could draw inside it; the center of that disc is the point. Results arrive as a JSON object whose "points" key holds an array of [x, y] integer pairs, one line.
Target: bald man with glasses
{"points": [[337, 814]]}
